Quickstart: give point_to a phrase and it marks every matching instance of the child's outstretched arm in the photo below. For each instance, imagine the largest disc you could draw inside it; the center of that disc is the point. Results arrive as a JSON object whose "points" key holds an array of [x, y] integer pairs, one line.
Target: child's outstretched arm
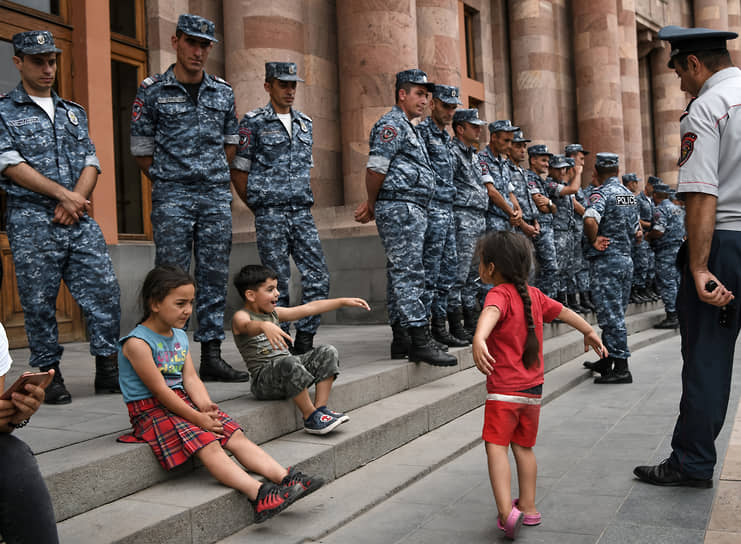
{"points": [[481, 356], [242, 324], [317, 307], [139, 353], [590, 337]]}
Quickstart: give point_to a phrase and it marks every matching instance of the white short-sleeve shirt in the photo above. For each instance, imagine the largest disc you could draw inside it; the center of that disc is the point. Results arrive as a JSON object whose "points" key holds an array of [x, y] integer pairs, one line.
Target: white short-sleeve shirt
{"points": [[5, 360]]}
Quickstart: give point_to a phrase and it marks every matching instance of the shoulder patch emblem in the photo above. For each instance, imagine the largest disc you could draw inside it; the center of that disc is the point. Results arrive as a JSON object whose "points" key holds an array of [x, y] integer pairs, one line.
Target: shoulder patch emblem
{"points": [[388, 134], [136, 109], [244, 137], [595, 197], [688, 146]]}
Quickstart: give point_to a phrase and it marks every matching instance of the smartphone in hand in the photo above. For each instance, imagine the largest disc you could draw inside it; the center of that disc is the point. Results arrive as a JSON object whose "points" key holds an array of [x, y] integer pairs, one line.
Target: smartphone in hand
{"points": [[42, 379]]}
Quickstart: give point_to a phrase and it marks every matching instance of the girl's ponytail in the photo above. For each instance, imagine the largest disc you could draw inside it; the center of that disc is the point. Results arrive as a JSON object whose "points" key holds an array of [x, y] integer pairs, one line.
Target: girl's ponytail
{"points": [[532, 346]]}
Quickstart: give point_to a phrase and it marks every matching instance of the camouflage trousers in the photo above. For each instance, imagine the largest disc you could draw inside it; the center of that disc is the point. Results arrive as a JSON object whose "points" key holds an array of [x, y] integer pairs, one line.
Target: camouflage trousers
{"points": [[546, 278], [440, 259], [496, 222], [582, 265], [44, 253], [640, 263], [192, 219], [287, 376], [610, 278], [284, 232], [566, 259], [667, 277], [401, 227], [470, 225]]}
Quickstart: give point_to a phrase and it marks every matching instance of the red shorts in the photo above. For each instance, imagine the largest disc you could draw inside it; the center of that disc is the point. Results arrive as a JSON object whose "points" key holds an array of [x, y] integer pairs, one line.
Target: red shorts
{"points": [[511, 417]]}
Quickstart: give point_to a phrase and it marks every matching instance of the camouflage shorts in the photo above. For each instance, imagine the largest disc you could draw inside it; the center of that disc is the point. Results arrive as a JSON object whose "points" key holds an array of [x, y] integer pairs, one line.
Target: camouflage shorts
{"points": [[285, 377]]}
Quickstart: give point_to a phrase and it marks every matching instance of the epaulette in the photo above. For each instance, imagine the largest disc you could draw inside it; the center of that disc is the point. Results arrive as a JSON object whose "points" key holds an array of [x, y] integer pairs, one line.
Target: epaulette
{"points": [[3, 95], [72, 103], [255, 112], [220, 80], [150, 80], [302, 114]]}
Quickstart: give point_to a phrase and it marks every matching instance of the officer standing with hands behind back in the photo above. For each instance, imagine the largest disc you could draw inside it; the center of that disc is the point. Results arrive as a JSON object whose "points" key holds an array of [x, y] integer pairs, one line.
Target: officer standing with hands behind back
{"points": [[183, 135]]}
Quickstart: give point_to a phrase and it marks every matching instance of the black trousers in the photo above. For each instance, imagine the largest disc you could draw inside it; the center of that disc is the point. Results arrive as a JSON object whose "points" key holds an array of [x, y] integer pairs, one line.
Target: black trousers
{"points": [[707, 353], [26, 513]]}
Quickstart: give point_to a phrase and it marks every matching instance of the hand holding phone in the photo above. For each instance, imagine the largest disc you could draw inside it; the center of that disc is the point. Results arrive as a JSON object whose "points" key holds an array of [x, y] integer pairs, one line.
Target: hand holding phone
{"points": [[42, 379]]}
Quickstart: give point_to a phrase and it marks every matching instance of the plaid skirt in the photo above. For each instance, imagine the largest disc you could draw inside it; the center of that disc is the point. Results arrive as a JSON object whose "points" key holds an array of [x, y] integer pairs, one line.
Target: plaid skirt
{"points": [[173, 439]]}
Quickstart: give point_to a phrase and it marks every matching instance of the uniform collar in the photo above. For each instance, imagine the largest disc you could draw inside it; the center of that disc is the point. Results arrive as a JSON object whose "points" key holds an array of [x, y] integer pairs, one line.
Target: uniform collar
{"points": [[436, 130], [466, 148], [400, 113], [717, 77], [20, 96], [272, 114], [168, 78], [612, 179]]}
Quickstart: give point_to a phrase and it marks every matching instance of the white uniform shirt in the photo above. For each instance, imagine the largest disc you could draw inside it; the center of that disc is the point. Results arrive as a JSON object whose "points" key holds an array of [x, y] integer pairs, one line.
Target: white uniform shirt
{"points": [[710, 160], [5, 359]]}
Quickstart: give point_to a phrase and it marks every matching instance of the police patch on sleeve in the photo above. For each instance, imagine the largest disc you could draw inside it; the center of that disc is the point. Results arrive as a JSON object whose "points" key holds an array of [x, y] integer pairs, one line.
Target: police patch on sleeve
{"points": [[136, 109], [595, 197], [244, 138], [388, 134], [688, 146]]}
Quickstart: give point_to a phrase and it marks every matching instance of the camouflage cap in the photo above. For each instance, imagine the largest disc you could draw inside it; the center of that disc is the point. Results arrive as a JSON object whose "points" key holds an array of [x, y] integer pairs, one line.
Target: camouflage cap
{"points": [[607, 160], [34, 42], [557, 161], [630, 177], [574, 148], [518, 138], [661, 188], [653, 180], [282, 71], [197, 26], [415, 76], [447, 94], [538, 149], [468, 116], [502, 125]]}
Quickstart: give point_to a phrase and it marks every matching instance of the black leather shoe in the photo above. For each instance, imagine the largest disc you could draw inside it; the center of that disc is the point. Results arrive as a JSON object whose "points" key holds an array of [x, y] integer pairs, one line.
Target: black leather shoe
{"points": [[214, 368], [106, 374], [666, 475], [603, 366], [303, 343], [615, 377], [671, 321], [56, 392]]}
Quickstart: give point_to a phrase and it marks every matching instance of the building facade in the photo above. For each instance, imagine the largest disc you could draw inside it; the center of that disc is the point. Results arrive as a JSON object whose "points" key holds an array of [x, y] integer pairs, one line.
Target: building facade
{"points": [[587, 71]]}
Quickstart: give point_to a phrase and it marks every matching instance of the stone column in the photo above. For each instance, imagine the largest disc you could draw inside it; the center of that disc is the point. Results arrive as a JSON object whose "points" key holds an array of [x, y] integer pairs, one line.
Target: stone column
{"points": [[375, 41], [438, 40], [631, 90], [711, 14], [534, 70], [668, 104], [734, 25], [597, 67]]}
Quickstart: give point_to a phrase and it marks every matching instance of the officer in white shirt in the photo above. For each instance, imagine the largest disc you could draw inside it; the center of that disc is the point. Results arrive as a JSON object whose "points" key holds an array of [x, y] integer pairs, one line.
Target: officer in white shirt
{"points": [[710, 184]]}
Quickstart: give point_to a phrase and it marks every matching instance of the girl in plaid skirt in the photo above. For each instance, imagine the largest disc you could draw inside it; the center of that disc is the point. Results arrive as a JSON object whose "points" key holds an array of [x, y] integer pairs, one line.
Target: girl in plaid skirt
{"points": [[171, 410]]}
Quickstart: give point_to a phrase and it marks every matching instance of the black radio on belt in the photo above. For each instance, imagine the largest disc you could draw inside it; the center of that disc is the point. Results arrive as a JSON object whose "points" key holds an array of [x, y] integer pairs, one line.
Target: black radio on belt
{"points": [[726, 312]]}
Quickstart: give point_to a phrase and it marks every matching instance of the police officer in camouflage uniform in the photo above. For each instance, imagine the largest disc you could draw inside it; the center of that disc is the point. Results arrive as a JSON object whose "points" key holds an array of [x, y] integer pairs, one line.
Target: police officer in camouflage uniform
{"points": [[518, 177], [611, 224], [470, 175], [183, 135], [545, 249], [648, 193], [639, 256], [272, 174], [49, 169], [666, 235], [504, 210], [439, 254], [400, 184]]}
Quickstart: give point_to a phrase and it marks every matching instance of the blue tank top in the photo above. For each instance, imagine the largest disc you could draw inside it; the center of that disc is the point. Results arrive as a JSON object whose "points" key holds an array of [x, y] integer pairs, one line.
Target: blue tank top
{"points": [[168, 353]]}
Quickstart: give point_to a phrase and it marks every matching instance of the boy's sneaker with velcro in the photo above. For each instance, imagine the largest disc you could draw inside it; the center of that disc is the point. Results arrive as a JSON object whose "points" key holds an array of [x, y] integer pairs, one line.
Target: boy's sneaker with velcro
{"points": [[337, 415], [273, 499], [320, 423], [309, 484]]}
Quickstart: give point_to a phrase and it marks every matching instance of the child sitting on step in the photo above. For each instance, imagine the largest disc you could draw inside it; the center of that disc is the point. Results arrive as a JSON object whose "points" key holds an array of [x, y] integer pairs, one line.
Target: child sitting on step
{"points": [[275, 373], [507, 347], [171, 410]]}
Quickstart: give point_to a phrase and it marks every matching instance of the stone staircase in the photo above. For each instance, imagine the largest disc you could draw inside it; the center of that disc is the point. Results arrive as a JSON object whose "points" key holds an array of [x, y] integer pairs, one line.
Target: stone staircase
{"points": [[104, 491]]}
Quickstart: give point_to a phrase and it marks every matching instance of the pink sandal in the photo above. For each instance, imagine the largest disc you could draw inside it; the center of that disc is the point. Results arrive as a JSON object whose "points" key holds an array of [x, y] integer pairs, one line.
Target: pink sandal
{"points": [[528, 519], [512, 526]]}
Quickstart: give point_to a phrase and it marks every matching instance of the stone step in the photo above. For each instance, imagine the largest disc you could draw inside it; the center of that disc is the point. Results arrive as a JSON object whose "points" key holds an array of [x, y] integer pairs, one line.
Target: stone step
{"points": [[198, 509]]}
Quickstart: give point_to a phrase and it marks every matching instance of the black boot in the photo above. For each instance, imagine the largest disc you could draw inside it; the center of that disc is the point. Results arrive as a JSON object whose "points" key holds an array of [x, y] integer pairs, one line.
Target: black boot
{"points": [[634, 298], [586, 301], [603, 366], [455, 324], [646, 294], [439, 345], [441, 334], [400, 341], [573, 304], [619, 374], [106, 374], [470, 318], [304, 342], [56, 392], [421, 349], [671, 321], [214, 368]]}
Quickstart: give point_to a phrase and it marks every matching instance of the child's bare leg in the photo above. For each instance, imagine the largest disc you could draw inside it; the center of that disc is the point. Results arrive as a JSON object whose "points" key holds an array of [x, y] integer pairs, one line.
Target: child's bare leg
{"points": [[527, 472], [303, 402], [221, 467], [321, 396], [500, 477], [254, 458]]}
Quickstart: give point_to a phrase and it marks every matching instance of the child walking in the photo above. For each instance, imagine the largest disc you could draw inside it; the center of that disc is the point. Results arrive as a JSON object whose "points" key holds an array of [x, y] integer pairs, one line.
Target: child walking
{"points": [[170, 409], [275, 373], [507, 347]]}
